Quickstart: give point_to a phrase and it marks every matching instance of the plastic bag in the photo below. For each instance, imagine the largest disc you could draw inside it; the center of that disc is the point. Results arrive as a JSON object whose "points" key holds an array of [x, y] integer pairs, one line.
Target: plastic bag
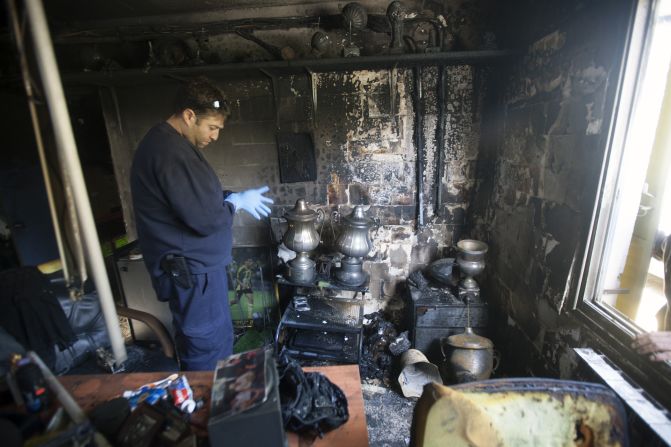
{"points": [[310, 401]]}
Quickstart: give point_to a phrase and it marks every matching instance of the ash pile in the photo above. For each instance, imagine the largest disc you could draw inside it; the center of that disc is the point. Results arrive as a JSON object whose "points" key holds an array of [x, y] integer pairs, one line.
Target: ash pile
{"points": [[381, 344]]}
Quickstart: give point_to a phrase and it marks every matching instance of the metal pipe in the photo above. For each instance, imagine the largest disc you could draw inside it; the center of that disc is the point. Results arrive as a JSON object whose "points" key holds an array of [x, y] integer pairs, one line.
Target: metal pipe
{"points": [[393, 77], [419, 144], [313, 89], [65, 142], [276, 95], [440, 140], [25, 73], [76, 245], [296, 66]]}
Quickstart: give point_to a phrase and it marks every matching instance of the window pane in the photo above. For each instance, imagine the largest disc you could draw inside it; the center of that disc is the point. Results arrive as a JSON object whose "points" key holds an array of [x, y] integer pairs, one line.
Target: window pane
{"points": [[629, 283]]}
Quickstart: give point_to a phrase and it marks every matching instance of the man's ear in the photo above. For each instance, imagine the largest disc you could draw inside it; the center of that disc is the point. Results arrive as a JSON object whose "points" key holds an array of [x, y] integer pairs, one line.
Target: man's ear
{"points": [[189, 116]]}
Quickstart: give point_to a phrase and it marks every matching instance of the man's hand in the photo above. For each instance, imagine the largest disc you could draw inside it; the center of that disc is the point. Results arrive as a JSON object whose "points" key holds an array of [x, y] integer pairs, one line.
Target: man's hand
{"points": [[657, 344], [253, 201]]}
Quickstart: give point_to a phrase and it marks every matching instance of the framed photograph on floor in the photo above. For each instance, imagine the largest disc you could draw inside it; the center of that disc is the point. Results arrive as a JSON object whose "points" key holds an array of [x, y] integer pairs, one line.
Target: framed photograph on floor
{"points": [[250, 286]]}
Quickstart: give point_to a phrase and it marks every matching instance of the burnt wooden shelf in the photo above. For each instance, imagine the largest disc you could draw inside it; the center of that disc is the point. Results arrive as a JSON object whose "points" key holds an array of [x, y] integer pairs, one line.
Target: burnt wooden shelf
{"points": [[323, 283], [262, 68]]}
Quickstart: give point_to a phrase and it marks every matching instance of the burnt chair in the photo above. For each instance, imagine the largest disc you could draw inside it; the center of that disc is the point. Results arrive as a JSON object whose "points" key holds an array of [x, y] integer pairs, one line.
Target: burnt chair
{"points": [[86, 320], [39, 315], [156, 353]]}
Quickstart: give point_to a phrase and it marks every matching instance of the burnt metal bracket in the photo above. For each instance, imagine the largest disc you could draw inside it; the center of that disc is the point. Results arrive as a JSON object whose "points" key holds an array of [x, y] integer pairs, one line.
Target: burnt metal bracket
{"points": [[312, 78], [276, 94]]}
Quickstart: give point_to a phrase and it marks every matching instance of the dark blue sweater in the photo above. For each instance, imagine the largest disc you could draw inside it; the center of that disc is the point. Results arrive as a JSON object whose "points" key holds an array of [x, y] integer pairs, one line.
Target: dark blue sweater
{"points": [[179, 204]]}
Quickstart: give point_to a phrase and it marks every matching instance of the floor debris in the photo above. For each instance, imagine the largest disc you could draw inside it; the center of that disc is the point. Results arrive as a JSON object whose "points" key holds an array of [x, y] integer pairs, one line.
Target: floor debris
{"points": [[388, 416]]}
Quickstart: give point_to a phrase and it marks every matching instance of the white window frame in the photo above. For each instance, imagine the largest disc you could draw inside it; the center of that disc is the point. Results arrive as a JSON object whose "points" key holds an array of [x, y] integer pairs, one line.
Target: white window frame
{"points": [[625, 126]]}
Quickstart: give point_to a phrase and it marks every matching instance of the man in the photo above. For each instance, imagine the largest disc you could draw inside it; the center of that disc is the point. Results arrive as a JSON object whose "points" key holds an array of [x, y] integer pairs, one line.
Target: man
{"points": [[658, 344], [662, 252], [184, 222]]}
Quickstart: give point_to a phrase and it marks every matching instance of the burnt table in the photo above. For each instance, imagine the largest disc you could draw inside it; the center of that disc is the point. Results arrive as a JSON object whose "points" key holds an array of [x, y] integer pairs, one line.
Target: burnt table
{"points": [[91, 390]]}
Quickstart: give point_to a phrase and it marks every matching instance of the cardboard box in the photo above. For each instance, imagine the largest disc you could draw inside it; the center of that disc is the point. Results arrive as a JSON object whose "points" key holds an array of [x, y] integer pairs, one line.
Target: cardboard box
{"points": [[245, 402]]}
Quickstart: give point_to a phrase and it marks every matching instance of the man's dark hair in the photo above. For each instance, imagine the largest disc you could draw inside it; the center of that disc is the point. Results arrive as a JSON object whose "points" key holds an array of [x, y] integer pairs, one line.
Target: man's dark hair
{"points": [[202, 96]]}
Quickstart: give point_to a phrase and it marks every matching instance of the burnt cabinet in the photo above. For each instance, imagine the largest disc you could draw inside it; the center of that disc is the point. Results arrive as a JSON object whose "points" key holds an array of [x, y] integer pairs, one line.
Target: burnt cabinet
{"points": [[435, 312]]}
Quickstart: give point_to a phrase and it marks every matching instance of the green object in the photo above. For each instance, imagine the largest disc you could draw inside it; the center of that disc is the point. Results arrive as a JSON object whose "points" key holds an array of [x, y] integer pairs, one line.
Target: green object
{"points": [[106, 248], [240, 310], [121, 241], [252, 339]]}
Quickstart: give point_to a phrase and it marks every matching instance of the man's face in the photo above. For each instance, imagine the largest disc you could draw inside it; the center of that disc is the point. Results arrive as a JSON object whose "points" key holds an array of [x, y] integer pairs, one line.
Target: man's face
{"points": [[204, 130]]}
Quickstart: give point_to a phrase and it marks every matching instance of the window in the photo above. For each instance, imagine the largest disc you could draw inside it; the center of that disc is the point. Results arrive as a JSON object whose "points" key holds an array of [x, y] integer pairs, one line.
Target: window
{"points": [[623, 280]]}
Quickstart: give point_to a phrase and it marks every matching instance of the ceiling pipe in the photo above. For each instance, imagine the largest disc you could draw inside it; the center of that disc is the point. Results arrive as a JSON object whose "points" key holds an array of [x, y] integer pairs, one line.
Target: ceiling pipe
{"points": [[65, 142]]}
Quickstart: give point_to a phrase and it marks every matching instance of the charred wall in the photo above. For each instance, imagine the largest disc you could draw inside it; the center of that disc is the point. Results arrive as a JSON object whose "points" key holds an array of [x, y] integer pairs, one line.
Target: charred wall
{"points": [[552, 113], [362, 125]]}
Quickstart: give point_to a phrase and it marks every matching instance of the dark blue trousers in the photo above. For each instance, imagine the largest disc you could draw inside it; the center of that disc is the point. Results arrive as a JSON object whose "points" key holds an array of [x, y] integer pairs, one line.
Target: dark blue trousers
{"points": [[202, 321]]}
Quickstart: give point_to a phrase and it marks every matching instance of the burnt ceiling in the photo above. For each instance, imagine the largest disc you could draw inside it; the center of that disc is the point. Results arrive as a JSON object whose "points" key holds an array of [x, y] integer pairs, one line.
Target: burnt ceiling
{"points": [[205, 10], [122, 34], [112, 35]]}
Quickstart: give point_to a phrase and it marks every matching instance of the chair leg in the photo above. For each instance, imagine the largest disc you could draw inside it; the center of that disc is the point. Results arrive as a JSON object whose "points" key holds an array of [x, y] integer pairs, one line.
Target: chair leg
{"points": [[154, 324]]}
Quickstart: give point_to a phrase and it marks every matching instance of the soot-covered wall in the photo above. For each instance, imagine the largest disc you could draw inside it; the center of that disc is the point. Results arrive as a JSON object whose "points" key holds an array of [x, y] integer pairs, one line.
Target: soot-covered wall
{"points": [[552, 114], [363, 125]]}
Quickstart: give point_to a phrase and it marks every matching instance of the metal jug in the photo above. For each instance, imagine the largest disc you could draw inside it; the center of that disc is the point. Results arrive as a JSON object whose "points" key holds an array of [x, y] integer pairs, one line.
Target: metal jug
{"points": [[355, 243], [301, 237], [467, 357]]}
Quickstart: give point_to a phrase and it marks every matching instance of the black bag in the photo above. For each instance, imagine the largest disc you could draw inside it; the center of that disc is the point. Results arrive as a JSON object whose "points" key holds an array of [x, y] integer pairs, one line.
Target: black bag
{"points": [[310, 401]]}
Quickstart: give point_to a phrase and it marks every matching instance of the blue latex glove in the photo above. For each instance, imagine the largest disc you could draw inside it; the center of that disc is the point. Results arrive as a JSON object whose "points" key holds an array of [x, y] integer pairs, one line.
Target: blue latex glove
{"points": [[253, 201]]}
